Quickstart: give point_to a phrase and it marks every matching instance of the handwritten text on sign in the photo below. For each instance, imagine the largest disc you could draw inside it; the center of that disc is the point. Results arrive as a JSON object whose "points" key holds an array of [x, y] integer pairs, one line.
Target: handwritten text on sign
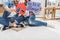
{"points": [[33, 6]]}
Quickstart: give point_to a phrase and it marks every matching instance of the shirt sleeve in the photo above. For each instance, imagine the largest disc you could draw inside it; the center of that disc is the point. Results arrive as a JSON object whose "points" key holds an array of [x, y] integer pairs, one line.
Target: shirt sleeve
{"points": [[5, 4]]}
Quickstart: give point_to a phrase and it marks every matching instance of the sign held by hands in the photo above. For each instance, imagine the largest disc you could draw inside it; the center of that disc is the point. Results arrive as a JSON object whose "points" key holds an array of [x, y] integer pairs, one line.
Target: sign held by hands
{"points": [[33, 6]]}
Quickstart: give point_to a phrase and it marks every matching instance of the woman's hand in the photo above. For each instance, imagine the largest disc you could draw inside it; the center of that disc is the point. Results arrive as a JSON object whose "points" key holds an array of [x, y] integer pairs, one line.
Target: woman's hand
{"points": [[24, 15]]}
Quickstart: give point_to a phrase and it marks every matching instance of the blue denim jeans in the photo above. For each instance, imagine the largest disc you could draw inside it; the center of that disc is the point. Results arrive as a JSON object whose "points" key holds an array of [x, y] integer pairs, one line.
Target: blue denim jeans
{"points": [[4, 22], [20, 19], [7, 19], [12, 19], [34, 22]]}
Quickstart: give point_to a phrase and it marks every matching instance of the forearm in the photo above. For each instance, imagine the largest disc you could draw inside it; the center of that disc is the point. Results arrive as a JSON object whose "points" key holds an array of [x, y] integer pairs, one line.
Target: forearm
{"points": [[7, 9]]}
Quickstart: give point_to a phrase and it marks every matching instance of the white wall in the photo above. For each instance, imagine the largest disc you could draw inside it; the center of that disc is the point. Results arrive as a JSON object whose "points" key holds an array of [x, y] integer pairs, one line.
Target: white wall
{"points": [[58, 12], [1, 1]]}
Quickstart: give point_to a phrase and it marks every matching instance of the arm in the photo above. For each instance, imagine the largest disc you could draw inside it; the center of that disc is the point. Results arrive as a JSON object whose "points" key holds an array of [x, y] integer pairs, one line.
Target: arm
{"points": [[7, 8]]}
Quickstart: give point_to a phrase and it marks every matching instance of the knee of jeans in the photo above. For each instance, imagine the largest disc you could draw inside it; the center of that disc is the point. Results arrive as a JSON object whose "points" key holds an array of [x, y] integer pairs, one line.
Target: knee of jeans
{"points": [[11, 20], [6, 24], [19, 19], [5, 14]]}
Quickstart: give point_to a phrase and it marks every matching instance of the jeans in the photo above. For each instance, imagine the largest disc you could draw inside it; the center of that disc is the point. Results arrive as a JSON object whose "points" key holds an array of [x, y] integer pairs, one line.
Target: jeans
{"points": [[34, 22], [7, 19], [4, 22], [12, 19], [20, 19]]}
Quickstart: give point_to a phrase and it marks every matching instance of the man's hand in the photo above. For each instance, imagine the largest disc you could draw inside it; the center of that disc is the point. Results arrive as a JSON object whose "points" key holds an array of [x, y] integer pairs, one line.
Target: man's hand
{"points": [[12, 14], [13, 10]]}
